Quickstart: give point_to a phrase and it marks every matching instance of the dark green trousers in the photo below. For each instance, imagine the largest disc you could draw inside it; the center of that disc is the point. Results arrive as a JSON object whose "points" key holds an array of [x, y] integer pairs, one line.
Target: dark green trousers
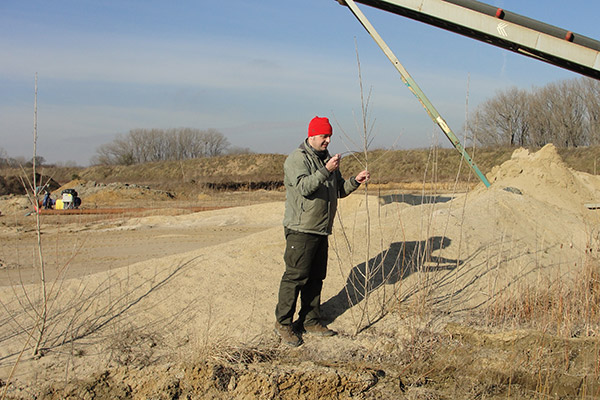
{"points": [[305, 269]]}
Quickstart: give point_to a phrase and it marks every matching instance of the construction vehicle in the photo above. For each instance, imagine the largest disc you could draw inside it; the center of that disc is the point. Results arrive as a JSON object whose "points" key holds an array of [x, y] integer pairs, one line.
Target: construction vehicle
{"points": [[69, 200]]}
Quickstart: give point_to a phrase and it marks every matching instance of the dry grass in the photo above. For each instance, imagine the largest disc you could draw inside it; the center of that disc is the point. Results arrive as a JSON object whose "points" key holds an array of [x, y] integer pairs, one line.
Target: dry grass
{"points": [[568, 306], [397, 166]]}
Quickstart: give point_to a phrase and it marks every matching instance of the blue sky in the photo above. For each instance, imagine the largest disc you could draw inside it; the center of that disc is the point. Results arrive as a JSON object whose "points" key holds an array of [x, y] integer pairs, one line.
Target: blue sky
{"points": [[257, 71]]}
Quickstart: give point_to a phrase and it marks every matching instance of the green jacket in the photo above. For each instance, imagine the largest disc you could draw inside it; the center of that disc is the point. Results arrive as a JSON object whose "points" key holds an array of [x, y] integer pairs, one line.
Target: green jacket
{"points": [[312, 191]]}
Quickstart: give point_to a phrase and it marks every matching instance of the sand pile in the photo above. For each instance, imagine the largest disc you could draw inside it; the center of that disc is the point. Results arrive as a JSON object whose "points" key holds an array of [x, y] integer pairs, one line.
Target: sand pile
{"points": [[461, 254], [10, 204], [529, 225], [544, 176]]}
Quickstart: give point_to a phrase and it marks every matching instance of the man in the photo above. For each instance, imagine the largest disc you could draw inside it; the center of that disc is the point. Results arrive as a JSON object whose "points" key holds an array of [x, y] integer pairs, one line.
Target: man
{"points": [[313, 184], [47, 203]]}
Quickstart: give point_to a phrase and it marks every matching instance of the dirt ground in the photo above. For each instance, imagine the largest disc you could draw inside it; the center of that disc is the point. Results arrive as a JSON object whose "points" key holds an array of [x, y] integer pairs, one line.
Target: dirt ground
{"points": [[75, 242], [84, 250], [169, 303]]}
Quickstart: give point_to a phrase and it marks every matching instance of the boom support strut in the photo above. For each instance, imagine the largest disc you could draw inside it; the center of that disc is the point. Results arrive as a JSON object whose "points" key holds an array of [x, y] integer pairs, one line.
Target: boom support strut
{"points": [[415, 89]]}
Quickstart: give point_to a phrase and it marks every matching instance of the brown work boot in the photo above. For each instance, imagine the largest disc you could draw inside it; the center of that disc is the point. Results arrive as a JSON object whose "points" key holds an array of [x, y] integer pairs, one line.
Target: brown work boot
{"points": [[287, 335], [319, 330]]}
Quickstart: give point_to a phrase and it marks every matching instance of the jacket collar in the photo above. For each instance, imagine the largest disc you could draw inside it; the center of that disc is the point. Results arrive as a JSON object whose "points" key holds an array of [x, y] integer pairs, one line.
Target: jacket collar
{"points": [[322, 155]]}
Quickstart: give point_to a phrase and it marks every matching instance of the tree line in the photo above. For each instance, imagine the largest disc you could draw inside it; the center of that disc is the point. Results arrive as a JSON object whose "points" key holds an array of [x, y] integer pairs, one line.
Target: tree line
{"points": [[150, 145], [565, 113], [16, 162]]}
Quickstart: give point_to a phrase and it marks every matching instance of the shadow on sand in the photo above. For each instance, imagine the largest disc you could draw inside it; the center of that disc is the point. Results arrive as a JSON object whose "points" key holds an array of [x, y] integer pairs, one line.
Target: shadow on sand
{"points": [[414, 200], [399, 261]]}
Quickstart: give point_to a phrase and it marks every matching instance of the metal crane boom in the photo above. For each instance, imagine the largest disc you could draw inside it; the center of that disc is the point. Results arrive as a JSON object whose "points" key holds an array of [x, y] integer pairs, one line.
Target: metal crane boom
{"points": [[504, 29]]}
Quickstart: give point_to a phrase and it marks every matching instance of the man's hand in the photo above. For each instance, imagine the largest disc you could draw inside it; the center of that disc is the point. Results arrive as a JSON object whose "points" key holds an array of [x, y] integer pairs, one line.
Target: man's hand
{"points": [[333, 163], [363, 176]]}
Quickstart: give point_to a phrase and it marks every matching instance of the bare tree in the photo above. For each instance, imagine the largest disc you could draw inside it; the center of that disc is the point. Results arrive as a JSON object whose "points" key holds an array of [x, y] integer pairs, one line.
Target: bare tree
{"points": [[185, 144], [561, 114], [37, 160], [590, 92], [188, 143], [119, 152], [16, 162], [502, 120], [215, 143], [565, 113]]}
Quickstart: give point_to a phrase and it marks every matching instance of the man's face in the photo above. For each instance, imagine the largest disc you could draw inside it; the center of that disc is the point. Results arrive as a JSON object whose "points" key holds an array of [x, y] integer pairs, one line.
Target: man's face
{"points": [[319, 142]]}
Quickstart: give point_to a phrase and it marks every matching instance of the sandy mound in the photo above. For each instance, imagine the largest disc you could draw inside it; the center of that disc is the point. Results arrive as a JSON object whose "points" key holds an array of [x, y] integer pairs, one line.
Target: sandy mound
{"points": [[11, 204], [268, 215], [544, 176], [451, 258]]}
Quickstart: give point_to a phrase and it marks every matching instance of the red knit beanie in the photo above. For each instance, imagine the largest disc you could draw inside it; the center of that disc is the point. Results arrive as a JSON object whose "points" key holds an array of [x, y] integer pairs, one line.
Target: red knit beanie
{"points": [[319, 126]]}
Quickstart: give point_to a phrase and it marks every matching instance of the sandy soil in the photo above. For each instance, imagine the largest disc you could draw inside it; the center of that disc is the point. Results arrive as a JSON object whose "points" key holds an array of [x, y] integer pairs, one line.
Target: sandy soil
{"points": [[73, 251], [182, 305]]}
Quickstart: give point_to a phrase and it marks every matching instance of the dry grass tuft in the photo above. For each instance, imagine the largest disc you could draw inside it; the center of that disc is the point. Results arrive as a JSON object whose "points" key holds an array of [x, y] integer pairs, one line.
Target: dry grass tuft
{"points": [[133, 347], [567, 306], [244, 354]]}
